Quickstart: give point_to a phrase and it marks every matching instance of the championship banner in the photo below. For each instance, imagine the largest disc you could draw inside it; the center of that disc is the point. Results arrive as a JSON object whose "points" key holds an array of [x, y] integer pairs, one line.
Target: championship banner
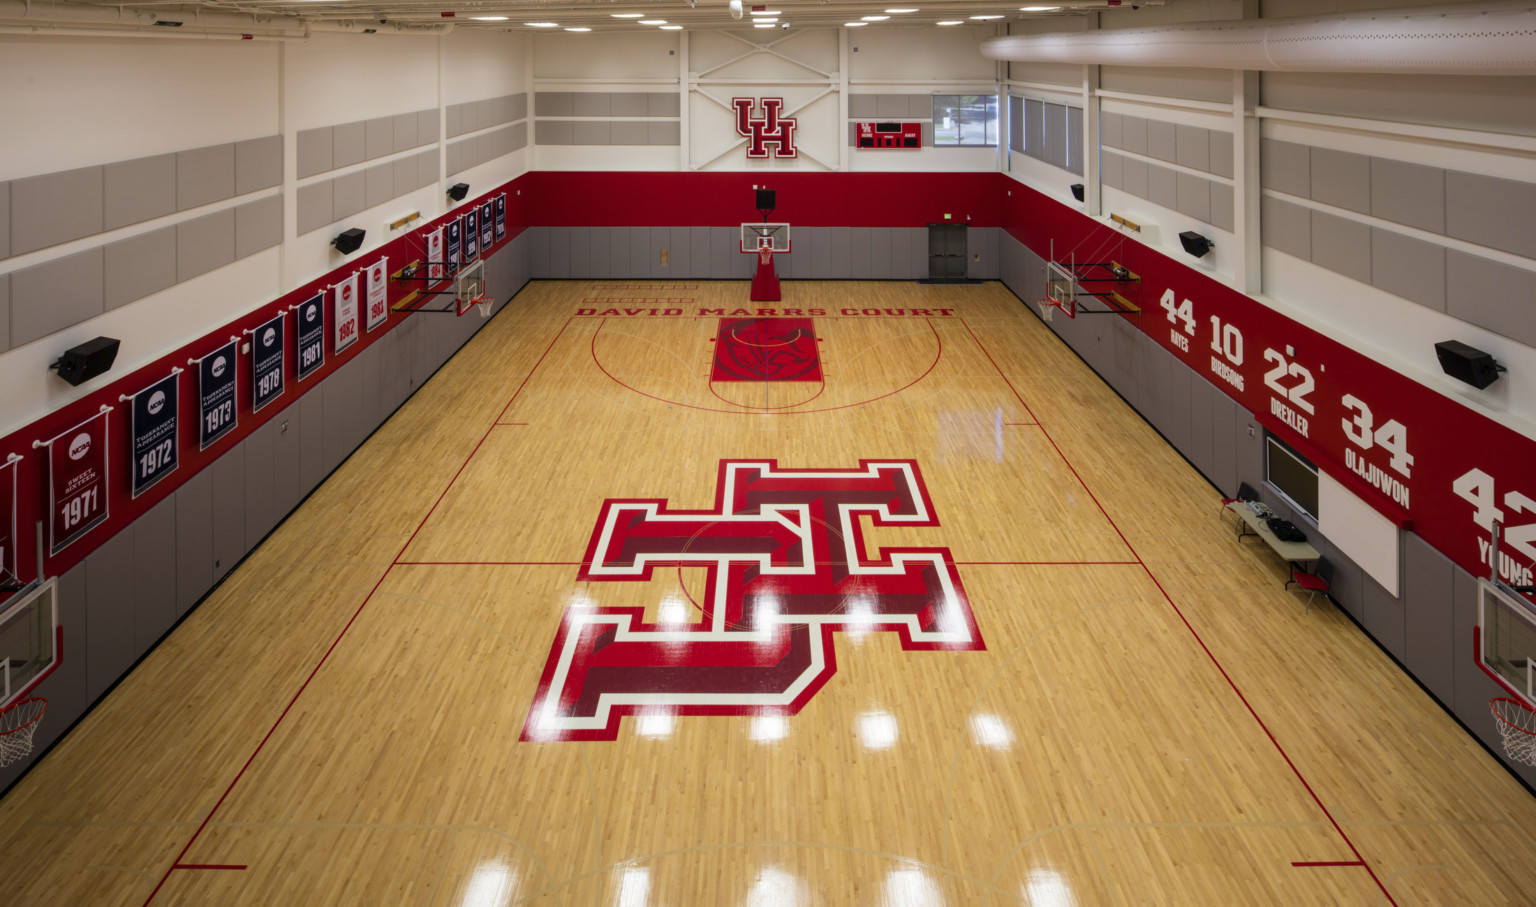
{"points": [[501, 216], [453, 248], [77, 480], [346, 314], [309, 330], [267, 362], [436, 270], [216, 394], [155, 414], [471, 235], [9, 560], [486, 227], [378, 293]]}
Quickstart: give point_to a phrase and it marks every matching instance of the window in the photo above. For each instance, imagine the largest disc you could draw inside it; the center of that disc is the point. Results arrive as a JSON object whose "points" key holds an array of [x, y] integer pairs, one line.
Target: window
{"points": [[1291, 475], [964, 119]]}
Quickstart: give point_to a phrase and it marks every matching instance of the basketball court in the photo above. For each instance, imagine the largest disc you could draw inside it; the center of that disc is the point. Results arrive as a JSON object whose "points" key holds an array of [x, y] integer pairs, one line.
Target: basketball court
{"points": [[958, 627]]}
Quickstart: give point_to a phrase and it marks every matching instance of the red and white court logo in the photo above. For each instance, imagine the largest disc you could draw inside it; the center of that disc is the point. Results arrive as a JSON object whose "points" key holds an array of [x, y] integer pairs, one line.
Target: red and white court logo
{"points": [[785, 566], [770, 129]]}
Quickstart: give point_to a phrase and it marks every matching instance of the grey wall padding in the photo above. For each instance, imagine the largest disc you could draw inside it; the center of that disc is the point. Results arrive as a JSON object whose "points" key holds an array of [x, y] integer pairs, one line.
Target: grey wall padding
{"points": [[1408, 194], [205, 243], [1341, 179], [140, 265], [1408, 267], [1341, 245], [139, 190], [55, 208], [52, 296], [204, 176]]}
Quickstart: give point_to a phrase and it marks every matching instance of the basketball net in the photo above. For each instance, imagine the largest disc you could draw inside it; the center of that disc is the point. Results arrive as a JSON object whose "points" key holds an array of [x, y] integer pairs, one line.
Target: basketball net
{"points": [[765, 250], [1047, 308]]}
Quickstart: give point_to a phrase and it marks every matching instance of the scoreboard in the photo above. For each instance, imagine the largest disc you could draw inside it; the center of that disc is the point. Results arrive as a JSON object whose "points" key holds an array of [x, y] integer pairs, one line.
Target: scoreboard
{"points": [[889, 135]]}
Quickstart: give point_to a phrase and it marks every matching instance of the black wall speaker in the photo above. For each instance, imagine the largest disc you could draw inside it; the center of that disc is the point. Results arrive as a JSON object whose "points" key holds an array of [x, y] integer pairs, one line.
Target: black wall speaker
{"points": [[1077, 191], [457, 191], [1195, 244], [86, 361], [766, 200], [1469, 364], [349, 241]]}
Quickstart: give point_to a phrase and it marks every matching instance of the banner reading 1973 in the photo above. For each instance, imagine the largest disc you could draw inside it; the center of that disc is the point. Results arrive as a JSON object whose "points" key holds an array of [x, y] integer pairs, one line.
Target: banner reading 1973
{"points": [[309, 326], [267, 363], [155, 417], [501, 216], [8, 558], [77, 481], [216, 394]]}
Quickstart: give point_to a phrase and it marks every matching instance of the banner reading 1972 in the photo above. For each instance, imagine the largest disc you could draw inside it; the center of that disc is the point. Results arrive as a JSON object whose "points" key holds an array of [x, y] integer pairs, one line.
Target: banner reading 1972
{"points": [[8, 559], [216, 394], [486, 228], [77, 481], [501, 216], [309, 328], [267, 363], [155, 417]]}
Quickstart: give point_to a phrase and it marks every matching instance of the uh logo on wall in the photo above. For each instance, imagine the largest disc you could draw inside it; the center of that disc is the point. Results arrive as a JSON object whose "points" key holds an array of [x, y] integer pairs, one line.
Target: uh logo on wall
{"points": [[770, 130], [785, 567]]}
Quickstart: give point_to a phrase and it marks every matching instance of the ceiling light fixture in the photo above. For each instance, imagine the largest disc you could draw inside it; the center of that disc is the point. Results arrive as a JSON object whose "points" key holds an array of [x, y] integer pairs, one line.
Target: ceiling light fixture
{"points": [[910, 9], [489, 18], [874, 18], [542, 24], [763, 12], [854, 24], [1038, 9], [653, 22], [766, 25], [671, 28], [953, 22], [986, 17], [579, 28], [626, 15]]}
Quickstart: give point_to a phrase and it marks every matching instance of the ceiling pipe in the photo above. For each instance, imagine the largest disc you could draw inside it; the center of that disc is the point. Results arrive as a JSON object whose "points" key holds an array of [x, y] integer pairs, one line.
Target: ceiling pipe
{"points": [[55, 17], [1476, 39], [182, 34]]}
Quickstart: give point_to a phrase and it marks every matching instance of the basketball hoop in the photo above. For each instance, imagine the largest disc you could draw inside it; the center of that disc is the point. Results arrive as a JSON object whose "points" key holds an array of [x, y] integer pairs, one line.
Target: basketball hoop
{"points": [[483, 303], [1516, 722], [17, 723], [1047, 308], [764, 249]]}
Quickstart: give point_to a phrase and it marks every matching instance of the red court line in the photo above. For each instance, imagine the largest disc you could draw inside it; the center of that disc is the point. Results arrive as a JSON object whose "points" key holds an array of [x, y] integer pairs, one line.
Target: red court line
{"points": [[1208, 653], [177, 864], [534, 369], [209, 866], [487, 563], [1329, 863]]}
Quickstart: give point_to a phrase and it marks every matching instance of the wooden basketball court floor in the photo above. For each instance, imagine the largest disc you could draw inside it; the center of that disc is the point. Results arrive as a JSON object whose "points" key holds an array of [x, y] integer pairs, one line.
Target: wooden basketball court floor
{"points": [[1138, 715]]}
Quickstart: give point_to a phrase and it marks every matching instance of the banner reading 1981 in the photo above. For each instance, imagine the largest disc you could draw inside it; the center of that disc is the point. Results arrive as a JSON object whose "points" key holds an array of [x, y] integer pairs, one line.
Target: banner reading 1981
{"points": [[471, 235], [155, 417], [8, 557], [77, 481], [267, 362], [216, 394], [501, 216], [309, 326], [486, 230]]}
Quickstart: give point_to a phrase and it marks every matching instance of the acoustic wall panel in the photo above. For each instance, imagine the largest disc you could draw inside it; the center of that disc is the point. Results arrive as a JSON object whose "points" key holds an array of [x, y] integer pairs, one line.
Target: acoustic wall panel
{"points": [[1223, 206], [52, 296], [1220, 161], [349, 144], [349, 194], [5, 219], [405, 130], [1409, 194], [1488, 293], [1111, 170], [313, 151], [258, 164], [55, 207], [194, 540], [1162, 141], [1163, 186], [1194, 196], [1192, 147], [204, 176], [1133, 134], [258, 225], [314, 201], [205, 243], [1134, 176], [5, 312], [1341, 245], [1287, 227], [138, 266], [379, 137], [1490, 211], [138, 190], [1341, 179], [154, 574], [1285, 167], [378, 184], [1408, 267]]}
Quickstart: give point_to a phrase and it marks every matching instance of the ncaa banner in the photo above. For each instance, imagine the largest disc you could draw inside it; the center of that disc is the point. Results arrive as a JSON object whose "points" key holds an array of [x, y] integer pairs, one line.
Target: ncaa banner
{"points": [[9, 560], [155, 412], [435, 259], [501, 216], [267, 362], [216, 394], [378, 293], [453, 248], [486, 230], [471, 235], [77, 481], [346, 314], [309, 328]]}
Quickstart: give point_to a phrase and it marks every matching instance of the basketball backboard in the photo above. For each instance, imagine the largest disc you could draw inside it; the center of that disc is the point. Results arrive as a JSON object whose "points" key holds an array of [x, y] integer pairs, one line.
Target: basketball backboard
{"points": [[1506, 644], [776, 234], [469, 287], [29, 641], [1061, 287]]}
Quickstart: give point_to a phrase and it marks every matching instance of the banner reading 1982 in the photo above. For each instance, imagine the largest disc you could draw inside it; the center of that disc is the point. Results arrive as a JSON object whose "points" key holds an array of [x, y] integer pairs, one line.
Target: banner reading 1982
{"points": [[346, 320], [267, 363], [77, 481], [501, 216], [309, 326], [216, 394], [378, 293], [155, 447], [8, 538]]}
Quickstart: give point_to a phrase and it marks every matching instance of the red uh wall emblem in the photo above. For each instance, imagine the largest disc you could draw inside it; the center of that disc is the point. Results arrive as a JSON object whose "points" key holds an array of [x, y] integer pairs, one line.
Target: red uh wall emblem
{"points": [[770, 129], [785, 565]]}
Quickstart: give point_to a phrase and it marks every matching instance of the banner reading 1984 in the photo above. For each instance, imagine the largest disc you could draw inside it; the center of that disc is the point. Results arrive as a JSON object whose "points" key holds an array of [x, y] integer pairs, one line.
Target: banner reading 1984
{"points": [[155, 418], [501, 216], [378, 293], [486, 230], [216, 394], [309, 326], [435, 270], [77, 481], [267, 363], [8, 558]]}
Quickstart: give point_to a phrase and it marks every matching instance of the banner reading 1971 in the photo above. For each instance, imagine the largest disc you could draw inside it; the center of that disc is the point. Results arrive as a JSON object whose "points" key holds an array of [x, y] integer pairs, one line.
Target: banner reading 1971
{"points": [[378, 293], [486, 228], [309, 328], [471, 235], [501, 217], [216, 394], [452, 258], [267, 362], [346, 313], [155, 417], [77, 481], [8, 559]]}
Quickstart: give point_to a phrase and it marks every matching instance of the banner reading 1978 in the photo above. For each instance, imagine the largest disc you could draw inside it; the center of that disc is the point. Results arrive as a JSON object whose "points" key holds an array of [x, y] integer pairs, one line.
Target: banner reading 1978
{"points": [[486, 230], [267, 363], [77, 481], [309, 326], [216, 394], [501, 216], [155, 417], [8, 559], [471, 235]]}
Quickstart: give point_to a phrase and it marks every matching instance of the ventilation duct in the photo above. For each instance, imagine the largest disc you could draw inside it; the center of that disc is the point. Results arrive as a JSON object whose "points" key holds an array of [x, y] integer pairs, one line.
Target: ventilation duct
{"points": [[1475, 39]]}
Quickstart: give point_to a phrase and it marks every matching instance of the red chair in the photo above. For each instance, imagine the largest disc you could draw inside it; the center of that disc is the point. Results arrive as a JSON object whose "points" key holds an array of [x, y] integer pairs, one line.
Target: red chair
{"points": [[1245, 492], [1317, 581]]}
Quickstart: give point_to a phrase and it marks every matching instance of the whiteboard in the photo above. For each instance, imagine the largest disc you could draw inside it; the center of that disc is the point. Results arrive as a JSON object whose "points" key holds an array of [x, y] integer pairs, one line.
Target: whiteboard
{"points": [[1355, 528]]}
